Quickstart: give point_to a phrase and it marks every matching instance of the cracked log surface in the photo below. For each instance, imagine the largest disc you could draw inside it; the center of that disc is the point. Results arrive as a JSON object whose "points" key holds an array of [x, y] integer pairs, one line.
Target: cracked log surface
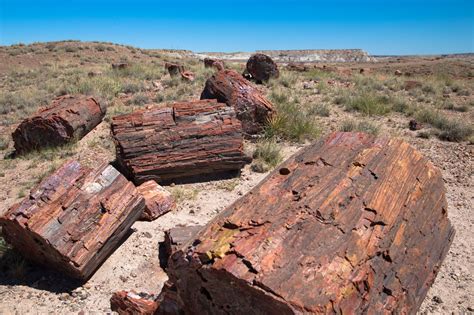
{"points": [[352, 224], [252, 108], [131, 302], [68, 118], [183, 140], [74, 218]]}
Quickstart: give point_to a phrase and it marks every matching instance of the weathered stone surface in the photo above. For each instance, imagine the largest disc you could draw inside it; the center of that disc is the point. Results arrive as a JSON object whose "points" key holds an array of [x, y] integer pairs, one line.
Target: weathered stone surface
{"points": [[187, 76], [158, 200], [183, 140], [174, 69], [74, 218], [252, 108], [298, 67], [68, 118], [120, 65], [176, 237], [262, 68], [126, 303], [414, 125], [352, 224], [214, 63]]}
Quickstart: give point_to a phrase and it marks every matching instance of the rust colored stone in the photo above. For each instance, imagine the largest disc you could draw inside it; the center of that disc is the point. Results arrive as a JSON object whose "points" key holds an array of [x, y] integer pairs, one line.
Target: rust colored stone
{"points": [[120, 66], [252, 108], [174, 69], [214, 63], [130, 302], [68, 118], [74, 218], [181, 141], [352, 224], [158, 200], [187, 76], [262, 67]]}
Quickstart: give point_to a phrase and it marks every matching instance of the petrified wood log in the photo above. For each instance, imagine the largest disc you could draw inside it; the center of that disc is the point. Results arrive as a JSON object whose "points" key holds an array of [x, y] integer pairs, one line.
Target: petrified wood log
{"points": [[214, 63], [158, 200], [120, 66], [187, 76], [262, 67], [352, 224], [126, 303], [68, 118], [74, 218], [252, 108], [174, 69], [181, 141]]}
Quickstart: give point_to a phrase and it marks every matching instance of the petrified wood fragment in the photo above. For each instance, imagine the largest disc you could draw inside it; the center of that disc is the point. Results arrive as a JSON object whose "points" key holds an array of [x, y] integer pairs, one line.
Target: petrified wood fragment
{"points": [[174, 69], [352, 224], [262, 67], [158, 200], [181, 141], [126, 303], [252, 108], [176, 238], [68, 118], [74, 218]]}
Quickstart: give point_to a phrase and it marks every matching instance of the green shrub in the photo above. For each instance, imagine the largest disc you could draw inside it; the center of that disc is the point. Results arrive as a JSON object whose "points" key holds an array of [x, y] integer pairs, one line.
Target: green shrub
{"points": [[451, 129], [269, 152], [369, 104], [361, 126], [139, 99], [321, 110]]}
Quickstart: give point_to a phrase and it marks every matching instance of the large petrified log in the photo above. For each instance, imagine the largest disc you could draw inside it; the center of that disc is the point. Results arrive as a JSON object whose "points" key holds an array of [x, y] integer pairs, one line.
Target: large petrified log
{"points": [[174, 69], [181, 141], [262, 67], [158, 200], [74, 218], [175, 239], [352, 224], [68, 118], [252, 108]]}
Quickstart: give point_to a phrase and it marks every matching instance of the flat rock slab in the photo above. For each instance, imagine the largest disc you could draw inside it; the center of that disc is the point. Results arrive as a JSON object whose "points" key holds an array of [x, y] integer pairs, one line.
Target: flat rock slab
{"points": [[74, 218], [351, 224]]}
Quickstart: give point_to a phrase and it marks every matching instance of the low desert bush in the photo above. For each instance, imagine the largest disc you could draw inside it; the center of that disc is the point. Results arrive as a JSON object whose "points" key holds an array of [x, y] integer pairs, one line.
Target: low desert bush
{"points": [[361, 126], [321, 110], [268, 151], [450, 129]]}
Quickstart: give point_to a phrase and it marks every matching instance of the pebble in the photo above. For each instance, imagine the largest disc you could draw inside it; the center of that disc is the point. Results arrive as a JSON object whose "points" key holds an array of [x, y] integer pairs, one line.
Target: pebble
{"points": [[437, 299]]}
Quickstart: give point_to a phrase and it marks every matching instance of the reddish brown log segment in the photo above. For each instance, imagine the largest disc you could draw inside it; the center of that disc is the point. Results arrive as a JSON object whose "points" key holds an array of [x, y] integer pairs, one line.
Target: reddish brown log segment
{"points": [[68, 118], [126, 303], [158, 200], [262, 67], [352, 224], [181, 141], [74, 218], [252, 108]]}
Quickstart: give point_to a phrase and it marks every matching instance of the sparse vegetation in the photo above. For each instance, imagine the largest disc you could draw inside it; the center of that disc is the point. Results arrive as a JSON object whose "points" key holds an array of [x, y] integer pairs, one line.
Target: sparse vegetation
{"points": [[269, 152], [181, 194], [450, 129], [361, 126]]}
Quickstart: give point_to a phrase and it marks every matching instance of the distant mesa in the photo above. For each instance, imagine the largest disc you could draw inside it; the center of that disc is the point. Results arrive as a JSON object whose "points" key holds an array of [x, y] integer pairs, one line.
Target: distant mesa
{"points": [[311, 55]]}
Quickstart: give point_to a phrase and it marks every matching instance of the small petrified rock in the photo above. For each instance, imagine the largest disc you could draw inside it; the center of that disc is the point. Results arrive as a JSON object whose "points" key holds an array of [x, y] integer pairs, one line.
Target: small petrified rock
{"points": [[414, 125], [262, 67], [158, 200], [174, 69], [410, 85], [187, 76], [120, 65], [131, 302], [398, 73]]}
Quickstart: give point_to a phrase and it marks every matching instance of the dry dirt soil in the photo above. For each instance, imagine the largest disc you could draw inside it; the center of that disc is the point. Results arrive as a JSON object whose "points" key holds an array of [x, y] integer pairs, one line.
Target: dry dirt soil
{"points": [[339, 98]]}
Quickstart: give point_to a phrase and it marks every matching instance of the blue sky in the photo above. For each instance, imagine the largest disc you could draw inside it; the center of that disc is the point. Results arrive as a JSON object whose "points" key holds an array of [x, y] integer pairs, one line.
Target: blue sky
{"points": [[380, 27]]}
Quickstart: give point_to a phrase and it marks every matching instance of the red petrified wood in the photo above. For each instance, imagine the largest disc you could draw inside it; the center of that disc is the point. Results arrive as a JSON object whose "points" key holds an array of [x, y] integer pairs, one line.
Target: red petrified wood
{"points": [[158, 200], [252, 108], [181, 141], [74, 218], [352, 224], [126, 303], [262, 67], [68, 118], [174, 69]]}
